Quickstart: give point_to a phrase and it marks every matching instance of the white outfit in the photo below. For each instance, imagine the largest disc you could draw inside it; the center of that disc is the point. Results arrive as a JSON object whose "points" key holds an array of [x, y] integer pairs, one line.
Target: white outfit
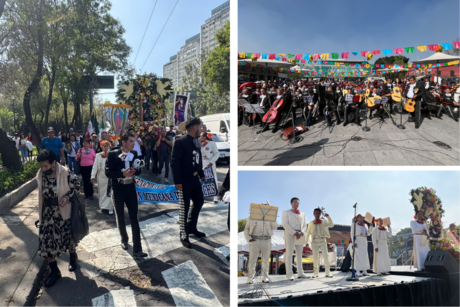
{"points": [[420, 251], [453, 237], [362, 258], [260, 246], [137, 147], [105, 202], [319, 233], [382, 257], [293, 223]]}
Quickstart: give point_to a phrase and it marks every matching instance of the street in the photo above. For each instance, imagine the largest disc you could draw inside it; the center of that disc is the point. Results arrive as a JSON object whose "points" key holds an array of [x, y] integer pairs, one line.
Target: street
{"points": [[171, 275]]}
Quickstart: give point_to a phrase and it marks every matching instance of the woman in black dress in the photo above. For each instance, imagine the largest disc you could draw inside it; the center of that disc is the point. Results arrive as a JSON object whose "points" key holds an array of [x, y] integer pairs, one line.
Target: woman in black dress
{"points": [[56, 186]]}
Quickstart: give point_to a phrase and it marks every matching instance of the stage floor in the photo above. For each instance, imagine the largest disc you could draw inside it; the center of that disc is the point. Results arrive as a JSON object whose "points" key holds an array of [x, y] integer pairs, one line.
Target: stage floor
{"points": [[280, 288]]}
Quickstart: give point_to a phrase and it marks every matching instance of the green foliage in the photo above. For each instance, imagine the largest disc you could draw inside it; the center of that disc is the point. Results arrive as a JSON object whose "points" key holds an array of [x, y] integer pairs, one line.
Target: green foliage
{"points": [[10, 179], [241, 225], [394, 59], [6, 119], [404, 231]]}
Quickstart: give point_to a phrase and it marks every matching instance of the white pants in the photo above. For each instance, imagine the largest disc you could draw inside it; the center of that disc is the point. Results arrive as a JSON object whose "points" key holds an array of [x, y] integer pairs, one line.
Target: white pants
{"points": [[320, 244], [258, 248], [289, 242]]}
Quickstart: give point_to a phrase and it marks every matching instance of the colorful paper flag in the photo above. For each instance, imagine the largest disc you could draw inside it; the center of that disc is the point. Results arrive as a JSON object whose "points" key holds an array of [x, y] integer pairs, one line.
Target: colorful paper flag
{"points": [[344, 55], [374, 52], [386, 51], [409, 49]]}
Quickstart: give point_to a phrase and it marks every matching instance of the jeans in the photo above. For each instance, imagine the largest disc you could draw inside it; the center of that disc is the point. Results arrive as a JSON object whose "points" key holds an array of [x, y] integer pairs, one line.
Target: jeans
{"points": [[308, 119], [147, 158], [72, 164], [24, 153], [164, 159]]}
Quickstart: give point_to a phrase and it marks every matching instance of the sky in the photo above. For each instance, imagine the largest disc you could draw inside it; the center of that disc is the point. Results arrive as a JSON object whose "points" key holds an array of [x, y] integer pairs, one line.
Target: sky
{"points": [[382, 193], [298, 26], [185, 22]]}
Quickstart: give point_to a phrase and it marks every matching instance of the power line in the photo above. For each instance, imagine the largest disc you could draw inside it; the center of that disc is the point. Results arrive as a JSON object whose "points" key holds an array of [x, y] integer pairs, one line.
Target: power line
{"points": [[160, 34], [145, 32]]}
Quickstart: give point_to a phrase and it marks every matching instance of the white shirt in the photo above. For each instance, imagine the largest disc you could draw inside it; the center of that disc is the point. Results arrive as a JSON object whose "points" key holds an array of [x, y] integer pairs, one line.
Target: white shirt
{"points": [[72, 153], [137, 147], [262, 97], [127, 165], [17, 142], [410, 93]]}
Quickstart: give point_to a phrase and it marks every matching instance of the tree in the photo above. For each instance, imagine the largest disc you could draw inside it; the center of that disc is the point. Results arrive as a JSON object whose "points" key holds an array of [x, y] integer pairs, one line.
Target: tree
{"points": [[2, 6], [241, 225], [395, 59], [404, 231], [453, 51]]}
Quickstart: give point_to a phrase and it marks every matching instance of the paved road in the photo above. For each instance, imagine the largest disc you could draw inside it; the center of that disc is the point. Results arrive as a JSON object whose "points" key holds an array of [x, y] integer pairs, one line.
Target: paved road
{"points": [[107, 275], [384, 144]]}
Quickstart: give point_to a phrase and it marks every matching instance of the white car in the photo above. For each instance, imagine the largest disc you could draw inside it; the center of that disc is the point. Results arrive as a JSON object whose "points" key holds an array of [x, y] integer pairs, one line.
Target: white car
{"points": [[223, 147]]}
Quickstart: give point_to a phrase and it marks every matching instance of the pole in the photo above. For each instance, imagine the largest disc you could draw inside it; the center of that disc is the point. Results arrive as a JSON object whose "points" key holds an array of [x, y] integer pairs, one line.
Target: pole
{"points": [[353, 273], [14, 118]]}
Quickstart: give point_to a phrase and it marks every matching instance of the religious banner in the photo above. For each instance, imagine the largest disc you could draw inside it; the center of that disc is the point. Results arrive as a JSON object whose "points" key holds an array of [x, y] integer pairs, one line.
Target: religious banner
{"points": [[151, 192], [117, 116], [181, 104]]}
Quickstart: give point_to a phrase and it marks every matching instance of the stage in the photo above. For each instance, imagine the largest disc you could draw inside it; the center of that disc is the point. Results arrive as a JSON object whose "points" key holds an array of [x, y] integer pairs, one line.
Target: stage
{"points": [[370, 290]]}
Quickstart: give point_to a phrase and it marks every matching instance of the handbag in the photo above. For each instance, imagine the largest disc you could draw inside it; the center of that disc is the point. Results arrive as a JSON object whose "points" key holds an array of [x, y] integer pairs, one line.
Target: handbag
{"points": [[80, 227]]}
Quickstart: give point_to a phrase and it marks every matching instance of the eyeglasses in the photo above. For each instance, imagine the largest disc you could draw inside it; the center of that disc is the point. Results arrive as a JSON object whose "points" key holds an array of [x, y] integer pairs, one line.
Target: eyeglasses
{"points": [[296, 202]]}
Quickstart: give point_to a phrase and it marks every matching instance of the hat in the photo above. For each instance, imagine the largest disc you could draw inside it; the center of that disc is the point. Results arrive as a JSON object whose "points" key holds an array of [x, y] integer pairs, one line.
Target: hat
{"points": [[50, 129], [431, 88]]}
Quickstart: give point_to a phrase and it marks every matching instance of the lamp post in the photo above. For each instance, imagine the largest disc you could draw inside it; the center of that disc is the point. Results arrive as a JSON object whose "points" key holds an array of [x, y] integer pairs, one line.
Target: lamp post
{"points": [[14, 117]]}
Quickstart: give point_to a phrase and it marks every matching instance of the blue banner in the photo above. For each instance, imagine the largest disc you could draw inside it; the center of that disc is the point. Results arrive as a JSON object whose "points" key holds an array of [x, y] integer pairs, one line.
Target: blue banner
{"points": [[151, 192]]}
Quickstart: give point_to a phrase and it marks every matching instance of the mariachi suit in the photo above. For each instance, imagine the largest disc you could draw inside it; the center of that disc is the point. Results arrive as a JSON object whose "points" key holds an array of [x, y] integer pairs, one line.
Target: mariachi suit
{"points": [[386, 89], [319, 234], [265, 104], [261, 231], [417, 99], [321, 91], [124, 194], [449, 99], [293, 223], [331, 106], [430, 101], [252, 99]]}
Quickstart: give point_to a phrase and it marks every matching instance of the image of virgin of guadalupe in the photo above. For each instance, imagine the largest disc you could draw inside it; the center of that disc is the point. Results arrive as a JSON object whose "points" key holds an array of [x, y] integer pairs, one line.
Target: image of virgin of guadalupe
{"points": [[180, 109]]}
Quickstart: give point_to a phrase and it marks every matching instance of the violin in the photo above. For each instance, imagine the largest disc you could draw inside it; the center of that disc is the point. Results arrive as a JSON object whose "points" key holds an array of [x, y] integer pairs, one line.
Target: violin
{"points": [[275, 111]]}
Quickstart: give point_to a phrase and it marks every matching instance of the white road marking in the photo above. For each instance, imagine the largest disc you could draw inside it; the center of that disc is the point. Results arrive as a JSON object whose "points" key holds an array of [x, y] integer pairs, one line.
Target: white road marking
{"points": [[116, 298], [188, 287], [159, 235], [222, 252]]}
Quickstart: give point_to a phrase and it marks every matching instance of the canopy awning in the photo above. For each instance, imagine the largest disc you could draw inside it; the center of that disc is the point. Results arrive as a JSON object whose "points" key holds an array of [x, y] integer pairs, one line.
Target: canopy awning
{"points": [[270, 63], [438, 58]]}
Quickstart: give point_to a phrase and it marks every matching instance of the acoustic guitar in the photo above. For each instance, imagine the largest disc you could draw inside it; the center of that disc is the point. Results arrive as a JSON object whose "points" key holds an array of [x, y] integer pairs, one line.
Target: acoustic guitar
{"points": [[344, 92], [410, 103], [396, 94], [371, 101]]}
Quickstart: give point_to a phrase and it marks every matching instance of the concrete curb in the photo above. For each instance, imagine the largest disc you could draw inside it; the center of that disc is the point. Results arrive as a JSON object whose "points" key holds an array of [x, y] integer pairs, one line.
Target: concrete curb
{"points": [[30, 283], [16, 196]]}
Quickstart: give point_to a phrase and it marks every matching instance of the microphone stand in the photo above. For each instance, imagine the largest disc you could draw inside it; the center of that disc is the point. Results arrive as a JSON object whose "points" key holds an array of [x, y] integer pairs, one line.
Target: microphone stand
{"points": [[353, 272], [366, 128], [401, 126], [294, 137]]}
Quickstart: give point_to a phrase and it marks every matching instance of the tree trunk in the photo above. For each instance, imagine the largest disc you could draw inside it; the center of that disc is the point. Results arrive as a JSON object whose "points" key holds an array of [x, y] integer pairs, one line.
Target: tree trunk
{"points": [[10, 155], [2, 6], [37, 78], [52, 78], [66, 118]]}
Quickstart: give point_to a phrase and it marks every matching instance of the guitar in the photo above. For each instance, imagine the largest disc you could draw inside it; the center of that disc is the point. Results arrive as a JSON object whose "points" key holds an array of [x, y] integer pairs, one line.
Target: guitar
{"points": [[275, 111], [344, 92], [396, 94], [410, 103], [371, 101]]}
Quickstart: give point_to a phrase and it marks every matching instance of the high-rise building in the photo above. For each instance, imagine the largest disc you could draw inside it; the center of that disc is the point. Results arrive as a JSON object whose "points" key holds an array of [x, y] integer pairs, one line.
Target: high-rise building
{"points": [[219, 17], [191, 51]]}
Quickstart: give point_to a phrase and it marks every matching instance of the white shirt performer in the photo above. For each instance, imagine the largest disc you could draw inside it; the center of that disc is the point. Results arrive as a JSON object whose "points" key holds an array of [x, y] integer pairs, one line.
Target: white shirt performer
{"points": [[259, 237], [421, 250], [318, 229], [295, 227], [360, 256], [380, 237], [452, 235], [98, 171]]}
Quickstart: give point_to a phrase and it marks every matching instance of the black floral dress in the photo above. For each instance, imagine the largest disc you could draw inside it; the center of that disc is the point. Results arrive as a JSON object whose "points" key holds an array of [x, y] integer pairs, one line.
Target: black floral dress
{"points": [[55, 235]]}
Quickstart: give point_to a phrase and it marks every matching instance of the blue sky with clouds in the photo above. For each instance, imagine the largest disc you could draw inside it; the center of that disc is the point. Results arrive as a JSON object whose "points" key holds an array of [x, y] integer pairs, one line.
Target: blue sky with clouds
{"points": [[299, 26], [382, 193], [184, 23]]}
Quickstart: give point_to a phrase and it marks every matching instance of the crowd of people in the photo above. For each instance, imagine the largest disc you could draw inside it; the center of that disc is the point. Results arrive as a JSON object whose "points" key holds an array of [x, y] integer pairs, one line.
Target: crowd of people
{"points": [[368, 242], [113, 163], [343, 100]]}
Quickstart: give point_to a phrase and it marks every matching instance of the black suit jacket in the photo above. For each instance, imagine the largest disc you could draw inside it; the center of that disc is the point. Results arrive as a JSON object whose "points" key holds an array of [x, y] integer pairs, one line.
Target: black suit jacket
{"points": [[252, 98], [182, 162], [446, 98], [114, 165], [386, 89], [266, 102], [429, 97], [421, 90]]}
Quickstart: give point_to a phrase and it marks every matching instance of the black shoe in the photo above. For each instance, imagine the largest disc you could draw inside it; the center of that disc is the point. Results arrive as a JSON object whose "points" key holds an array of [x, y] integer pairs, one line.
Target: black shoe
{"points": [[140, 254], [428, 116], [198, 234], [186, 243], [275, 129], [52, 278], [73, 262], [124, 246], [411, 120], [338, 122], [358, 123], [345, 124]]}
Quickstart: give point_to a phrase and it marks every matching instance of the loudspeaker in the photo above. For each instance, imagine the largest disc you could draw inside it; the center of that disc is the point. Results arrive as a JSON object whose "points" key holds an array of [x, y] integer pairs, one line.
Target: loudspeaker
{"points": [[440, 261]]}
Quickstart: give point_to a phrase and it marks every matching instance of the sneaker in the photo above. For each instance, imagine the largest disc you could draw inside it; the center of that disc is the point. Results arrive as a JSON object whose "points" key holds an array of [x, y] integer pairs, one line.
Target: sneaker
{"points": [[166, 180]]}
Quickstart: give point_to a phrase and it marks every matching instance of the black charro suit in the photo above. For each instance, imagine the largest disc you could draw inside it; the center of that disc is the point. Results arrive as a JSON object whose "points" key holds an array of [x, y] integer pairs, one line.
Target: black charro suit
{"points": [[187, 169], [124, 194]]}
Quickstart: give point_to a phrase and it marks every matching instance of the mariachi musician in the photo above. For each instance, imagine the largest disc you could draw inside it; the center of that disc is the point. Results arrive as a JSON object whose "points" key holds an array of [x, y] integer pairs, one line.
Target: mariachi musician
{"points": [[285, 109], [321, 91], [429, 100], [265, 103], [351, 107], [252, 99], [387, 88], [414, 92], [310, 102], [449, 99], [331, 106]]}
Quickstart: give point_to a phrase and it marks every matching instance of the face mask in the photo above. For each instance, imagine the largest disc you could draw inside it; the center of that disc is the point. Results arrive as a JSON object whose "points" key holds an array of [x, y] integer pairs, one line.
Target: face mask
{"points": [[48, 172]]}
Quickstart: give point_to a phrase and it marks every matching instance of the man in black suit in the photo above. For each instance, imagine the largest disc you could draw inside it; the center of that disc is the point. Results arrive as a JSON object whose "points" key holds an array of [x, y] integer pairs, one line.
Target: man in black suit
{"points": [[449, 98], [386, 91], [252, 99], [351, 107], [331, 106], [310, 100], [320, 92], [119, 169], [430, 101], [187, 169], [414, 91]]}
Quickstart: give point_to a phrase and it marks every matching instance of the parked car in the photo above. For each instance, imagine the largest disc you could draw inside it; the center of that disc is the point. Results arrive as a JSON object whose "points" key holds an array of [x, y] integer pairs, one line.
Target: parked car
{"points": [[219, 124], [223, 147]]}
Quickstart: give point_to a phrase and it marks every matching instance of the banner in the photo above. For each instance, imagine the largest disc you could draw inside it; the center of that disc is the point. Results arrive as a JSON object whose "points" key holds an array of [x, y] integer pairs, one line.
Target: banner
{"points": [[180, 108], [151, 192], [117, 116]]}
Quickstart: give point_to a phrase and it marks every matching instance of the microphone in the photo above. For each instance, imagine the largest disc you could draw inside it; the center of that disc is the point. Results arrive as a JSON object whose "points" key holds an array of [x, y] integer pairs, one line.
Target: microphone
{"points": [[354, 206]]}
